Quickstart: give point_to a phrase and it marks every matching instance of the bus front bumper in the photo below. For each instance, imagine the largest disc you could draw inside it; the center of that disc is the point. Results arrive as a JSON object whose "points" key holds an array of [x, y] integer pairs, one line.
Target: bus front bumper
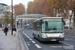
{"points": [[52, 39]]}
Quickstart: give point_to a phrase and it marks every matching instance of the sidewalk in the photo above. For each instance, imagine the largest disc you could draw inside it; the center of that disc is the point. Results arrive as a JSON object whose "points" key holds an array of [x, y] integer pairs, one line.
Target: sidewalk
{"points": [[10, 42]]}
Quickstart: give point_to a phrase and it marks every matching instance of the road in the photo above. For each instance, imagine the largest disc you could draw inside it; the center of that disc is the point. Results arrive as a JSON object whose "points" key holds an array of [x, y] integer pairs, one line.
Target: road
{"points": [[34, 44]]}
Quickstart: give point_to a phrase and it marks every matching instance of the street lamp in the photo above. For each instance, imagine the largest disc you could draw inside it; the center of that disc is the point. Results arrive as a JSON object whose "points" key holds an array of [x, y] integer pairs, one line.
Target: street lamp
{"points": [[21, 20], [12, 17]]}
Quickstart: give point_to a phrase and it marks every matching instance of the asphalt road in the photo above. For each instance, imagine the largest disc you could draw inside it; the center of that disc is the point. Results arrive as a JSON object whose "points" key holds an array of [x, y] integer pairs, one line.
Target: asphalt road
{"points": [[34, 44]]}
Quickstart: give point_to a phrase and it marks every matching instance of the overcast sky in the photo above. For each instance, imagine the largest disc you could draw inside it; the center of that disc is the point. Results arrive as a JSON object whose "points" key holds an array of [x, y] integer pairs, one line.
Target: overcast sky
{"points": [[8, 2]]}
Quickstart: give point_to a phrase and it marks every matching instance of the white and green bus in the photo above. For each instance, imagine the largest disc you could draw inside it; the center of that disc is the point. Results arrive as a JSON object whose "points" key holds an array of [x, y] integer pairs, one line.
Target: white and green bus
{"points": [[49, 29]]}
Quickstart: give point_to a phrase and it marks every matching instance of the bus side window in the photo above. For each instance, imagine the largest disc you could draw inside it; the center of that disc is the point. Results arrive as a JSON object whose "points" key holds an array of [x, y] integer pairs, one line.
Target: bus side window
{"points": [[34, 26], [38, 27]]}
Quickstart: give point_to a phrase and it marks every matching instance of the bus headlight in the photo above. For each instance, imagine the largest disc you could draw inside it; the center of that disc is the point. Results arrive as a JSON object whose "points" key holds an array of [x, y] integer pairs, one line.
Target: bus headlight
{"points": [[61, 36], [44, 36]]}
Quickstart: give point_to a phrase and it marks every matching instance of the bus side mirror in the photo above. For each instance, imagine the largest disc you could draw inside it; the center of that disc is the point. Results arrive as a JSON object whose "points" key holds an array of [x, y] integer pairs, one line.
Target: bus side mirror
{"points": [[64, 22], [40, 22]]}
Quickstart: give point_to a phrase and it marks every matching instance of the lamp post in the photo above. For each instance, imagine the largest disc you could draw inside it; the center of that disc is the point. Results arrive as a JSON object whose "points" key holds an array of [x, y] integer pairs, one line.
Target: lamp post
{"points": [[74, 19], [16, 25], [12, 17], [21, 21]]}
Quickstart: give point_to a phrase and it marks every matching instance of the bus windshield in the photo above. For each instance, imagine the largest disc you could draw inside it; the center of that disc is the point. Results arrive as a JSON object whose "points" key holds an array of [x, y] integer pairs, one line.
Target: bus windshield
{"points": [[54, 27]]}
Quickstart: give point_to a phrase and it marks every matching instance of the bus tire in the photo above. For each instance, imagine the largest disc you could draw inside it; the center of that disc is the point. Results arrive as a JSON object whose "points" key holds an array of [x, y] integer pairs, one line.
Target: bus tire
{"points": [[39, 38], [34, 36]]}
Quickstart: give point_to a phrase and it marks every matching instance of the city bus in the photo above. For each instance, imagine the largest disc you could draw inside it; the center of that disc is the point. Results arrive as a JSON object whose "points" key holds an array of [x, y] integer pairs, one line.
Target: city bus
{"points": [[49, 29]]}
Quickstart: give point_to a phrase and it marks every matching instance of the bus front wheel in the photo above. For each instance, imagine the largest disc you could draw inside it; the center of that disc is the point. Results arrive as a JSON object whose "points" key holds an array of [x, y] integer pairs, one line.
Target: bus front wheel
{"points": [[34, 36], [39, 38]]}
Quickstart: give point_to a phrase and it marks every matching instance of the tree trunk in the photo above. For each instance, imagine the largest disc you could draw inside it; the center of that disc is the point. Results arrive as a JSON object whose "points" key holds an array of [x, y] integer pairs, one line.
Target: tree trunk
{"points": [[74, 19], [70, 22]]}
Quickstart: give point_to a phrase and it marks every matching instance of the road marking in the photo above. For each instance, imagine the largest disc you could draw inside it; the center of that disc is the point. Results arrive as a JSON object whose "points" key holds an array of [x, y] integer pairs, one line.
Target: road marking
{"points": [[67, 44], [26, 36], [33, 42], [25, 44], [37, 46], [30, 39], [28, 44]]}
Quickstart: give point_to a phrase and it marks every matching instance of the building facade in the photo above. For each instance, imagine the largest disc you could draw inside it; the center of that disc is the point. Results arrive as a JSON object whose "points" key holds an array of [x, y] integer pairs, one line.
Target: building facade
{"points": [[2, 9]]}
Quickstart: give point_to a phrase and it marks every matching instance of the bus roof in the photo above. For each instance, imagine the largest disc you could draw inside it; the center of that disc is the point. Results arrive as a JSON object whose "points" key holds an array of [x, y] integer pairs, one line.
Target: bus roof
{"points": [[47, 18], [52, 17]]}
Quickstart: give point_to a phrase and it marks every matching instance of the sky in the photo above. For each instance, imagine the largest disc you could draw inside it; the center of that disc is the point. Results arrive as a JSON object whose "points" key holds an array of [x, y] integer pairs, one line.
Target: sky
{"points": [[8, 2]]}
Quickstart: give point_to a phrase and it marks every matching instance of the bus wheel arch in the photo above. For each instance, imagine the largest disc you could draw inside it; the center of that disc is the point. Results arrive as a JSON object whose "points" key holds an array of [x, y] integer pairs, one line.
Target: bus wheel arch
{"points": [[39, 39], [34, 36]]}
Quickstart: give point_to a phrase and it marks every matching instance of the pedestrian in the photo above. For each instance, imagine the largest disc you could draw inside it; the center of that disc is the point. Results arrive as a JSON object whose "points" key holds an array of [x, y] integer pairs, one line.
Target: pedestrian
{"points": [[6, 30], [14, 31]]}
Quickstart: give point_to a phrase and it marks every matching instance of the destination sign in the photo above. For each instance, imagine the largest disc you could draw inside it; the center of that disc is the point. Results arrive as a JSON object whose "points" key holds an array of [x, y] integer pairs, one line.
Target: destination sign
{"points": [[53, 20]]}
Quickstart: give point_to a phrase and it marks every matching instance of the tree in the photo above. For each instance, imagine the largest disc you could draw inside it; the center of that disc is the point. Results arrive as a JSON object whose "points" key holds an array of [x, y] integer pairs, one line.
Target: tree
{"points": [[30, 7], [34, 7], [46, 9], [19, 9], [6, 19], [59, 6], [72, 7], [73, 10], [39, 7]]}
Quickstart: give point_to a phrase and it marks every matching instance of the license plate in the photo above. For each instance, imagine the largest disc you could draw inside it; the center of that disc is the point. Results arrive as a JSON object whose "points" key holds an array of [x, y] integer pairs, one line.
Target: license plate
{"points": [[53, 39]]}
